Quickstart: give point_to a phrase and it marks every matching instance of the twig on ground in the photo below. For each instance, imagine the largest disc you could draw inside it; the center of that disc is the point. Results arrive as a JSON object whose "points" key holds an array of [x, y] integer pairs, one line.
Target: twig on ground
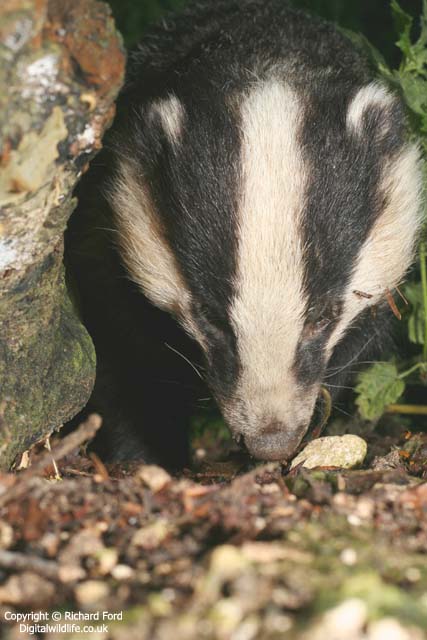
{"points": [[83, 433], [13, 561], [55, 466], [100, 467]]}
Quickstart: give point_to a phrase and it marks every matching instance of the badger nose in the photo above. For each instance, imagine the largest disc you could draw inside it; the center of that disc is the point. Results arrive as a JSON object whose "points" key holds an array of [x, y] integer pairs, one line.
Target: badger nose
{"points": [[272, 428], [274, 442]]}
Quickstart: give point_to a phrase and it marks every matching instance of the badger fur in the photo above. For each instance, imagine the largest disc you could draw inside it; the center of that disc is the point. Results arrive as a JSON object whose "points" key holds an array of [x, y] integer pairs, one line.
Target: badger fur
{"points": [[264, 194]]}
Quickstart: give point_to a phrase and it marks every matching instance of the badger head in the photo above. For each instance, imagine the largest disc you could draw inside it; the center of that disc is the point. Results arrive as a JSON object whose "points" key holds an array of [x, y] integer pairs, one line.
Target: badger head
{"points": [[269, 224]]}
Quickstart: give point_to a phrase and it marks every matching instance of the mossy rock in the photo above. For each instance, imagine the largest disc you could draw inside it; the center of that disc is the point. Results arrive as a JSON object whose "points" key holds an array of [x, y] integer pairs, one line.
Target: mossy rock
{"points": [[61, 67]]}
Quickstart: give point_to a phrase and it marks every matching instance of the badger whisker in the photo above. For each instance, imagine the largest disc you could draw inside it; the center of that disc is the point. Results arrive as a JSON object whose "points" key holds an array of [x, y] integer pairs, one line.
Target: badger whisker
{"points": [[335, 369], [109, 229], [352, 372], [335, 406], [187, 360], [337, 386], [355, 357]]}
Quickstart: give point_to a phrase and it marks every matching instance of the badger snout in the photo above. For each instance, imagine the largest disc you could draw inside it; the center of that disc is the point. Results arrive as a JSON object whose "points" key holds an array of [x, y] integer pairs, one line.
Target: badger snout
{"points": [[271, 423], [275, 442]]}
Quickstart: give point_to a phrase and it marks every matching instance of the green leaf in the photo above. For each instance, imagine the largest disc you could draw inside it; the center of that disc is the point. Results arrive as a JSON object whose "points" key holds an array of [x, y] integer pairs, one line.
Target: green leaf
{"points": [[423, 24], [209, 423], [378, 387], [413, 291], [403, 24]]}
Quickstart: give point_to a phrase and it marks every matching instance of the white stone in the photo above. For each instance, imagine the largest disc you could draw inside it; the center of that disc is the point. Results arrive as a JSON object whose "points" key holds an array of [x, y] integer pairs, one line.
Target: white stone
{"points": [[344, 452]]}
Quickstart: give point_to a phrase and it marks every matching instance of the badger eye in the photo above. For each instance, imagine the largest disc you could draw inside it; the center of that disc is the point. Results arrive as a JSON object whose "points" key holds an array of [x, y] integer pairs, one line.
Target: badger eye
{"points": [[320, 325], [314, 329], [320, 318]]}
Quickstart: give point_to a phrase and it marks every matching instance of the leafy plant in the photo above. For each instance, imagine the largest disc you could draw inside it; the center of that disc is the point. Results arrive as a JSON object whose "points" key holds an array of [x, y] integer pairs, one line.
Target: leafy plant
{"points": [[416, 325], [382, 384], [378, 386]]}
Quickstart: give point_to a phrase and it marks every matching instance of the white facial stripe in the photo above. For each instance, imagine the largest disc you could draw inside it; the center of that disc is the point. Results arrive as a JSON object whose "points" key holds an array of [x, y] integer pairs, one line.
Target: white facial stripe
{"points": [[372, 95], [388, 251], [267, 312], [146, 254], [148, 257], [171, 112]]}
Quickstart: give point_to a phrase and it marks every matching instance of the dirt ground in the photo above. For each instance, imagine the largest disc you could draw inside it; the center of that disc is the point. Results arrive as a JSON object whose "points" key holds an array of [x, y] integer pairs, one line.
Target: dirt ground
{"points": [[228, 550]]}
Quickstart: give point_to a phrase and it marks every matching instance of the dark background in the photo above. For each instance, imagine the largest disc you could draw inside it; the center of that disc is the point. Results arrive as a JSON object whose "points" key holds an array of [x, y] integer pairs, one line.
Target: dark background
{"points": [[371, 17]]}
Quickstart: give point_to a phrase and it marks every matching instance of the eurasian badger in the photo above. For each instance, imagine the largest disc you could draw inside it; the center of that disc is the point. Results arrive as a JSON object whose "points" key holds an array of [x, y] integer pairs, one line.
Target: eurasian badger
{"points": [[265, 195]]}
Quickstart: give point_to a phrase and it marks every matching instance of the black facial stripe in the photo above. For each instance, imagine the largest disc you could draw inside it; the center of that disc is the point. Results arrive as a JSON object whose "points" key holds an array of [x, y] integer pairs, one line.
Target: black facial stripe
{"points": [[310, 361], [343, 198], [340, 205], [194, 184]]}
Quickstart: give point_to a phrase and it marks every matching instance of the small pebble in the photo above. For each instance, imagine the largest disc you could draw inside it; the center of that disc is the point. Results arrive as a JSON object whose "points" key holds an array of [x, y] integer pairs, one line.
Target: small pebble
{"points": [[122, 572], [154, 477], [6, 535], [91, 592], [391, 629], [348, 557], [107, 560], [151, 536]]}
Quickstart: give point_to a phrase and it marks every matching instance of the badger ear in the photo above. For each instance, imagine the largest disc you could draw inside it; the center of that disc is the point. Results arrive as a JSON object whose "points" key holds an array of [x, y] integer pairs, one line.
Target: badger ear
{"points": [[376, 112], [168, 115]]}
